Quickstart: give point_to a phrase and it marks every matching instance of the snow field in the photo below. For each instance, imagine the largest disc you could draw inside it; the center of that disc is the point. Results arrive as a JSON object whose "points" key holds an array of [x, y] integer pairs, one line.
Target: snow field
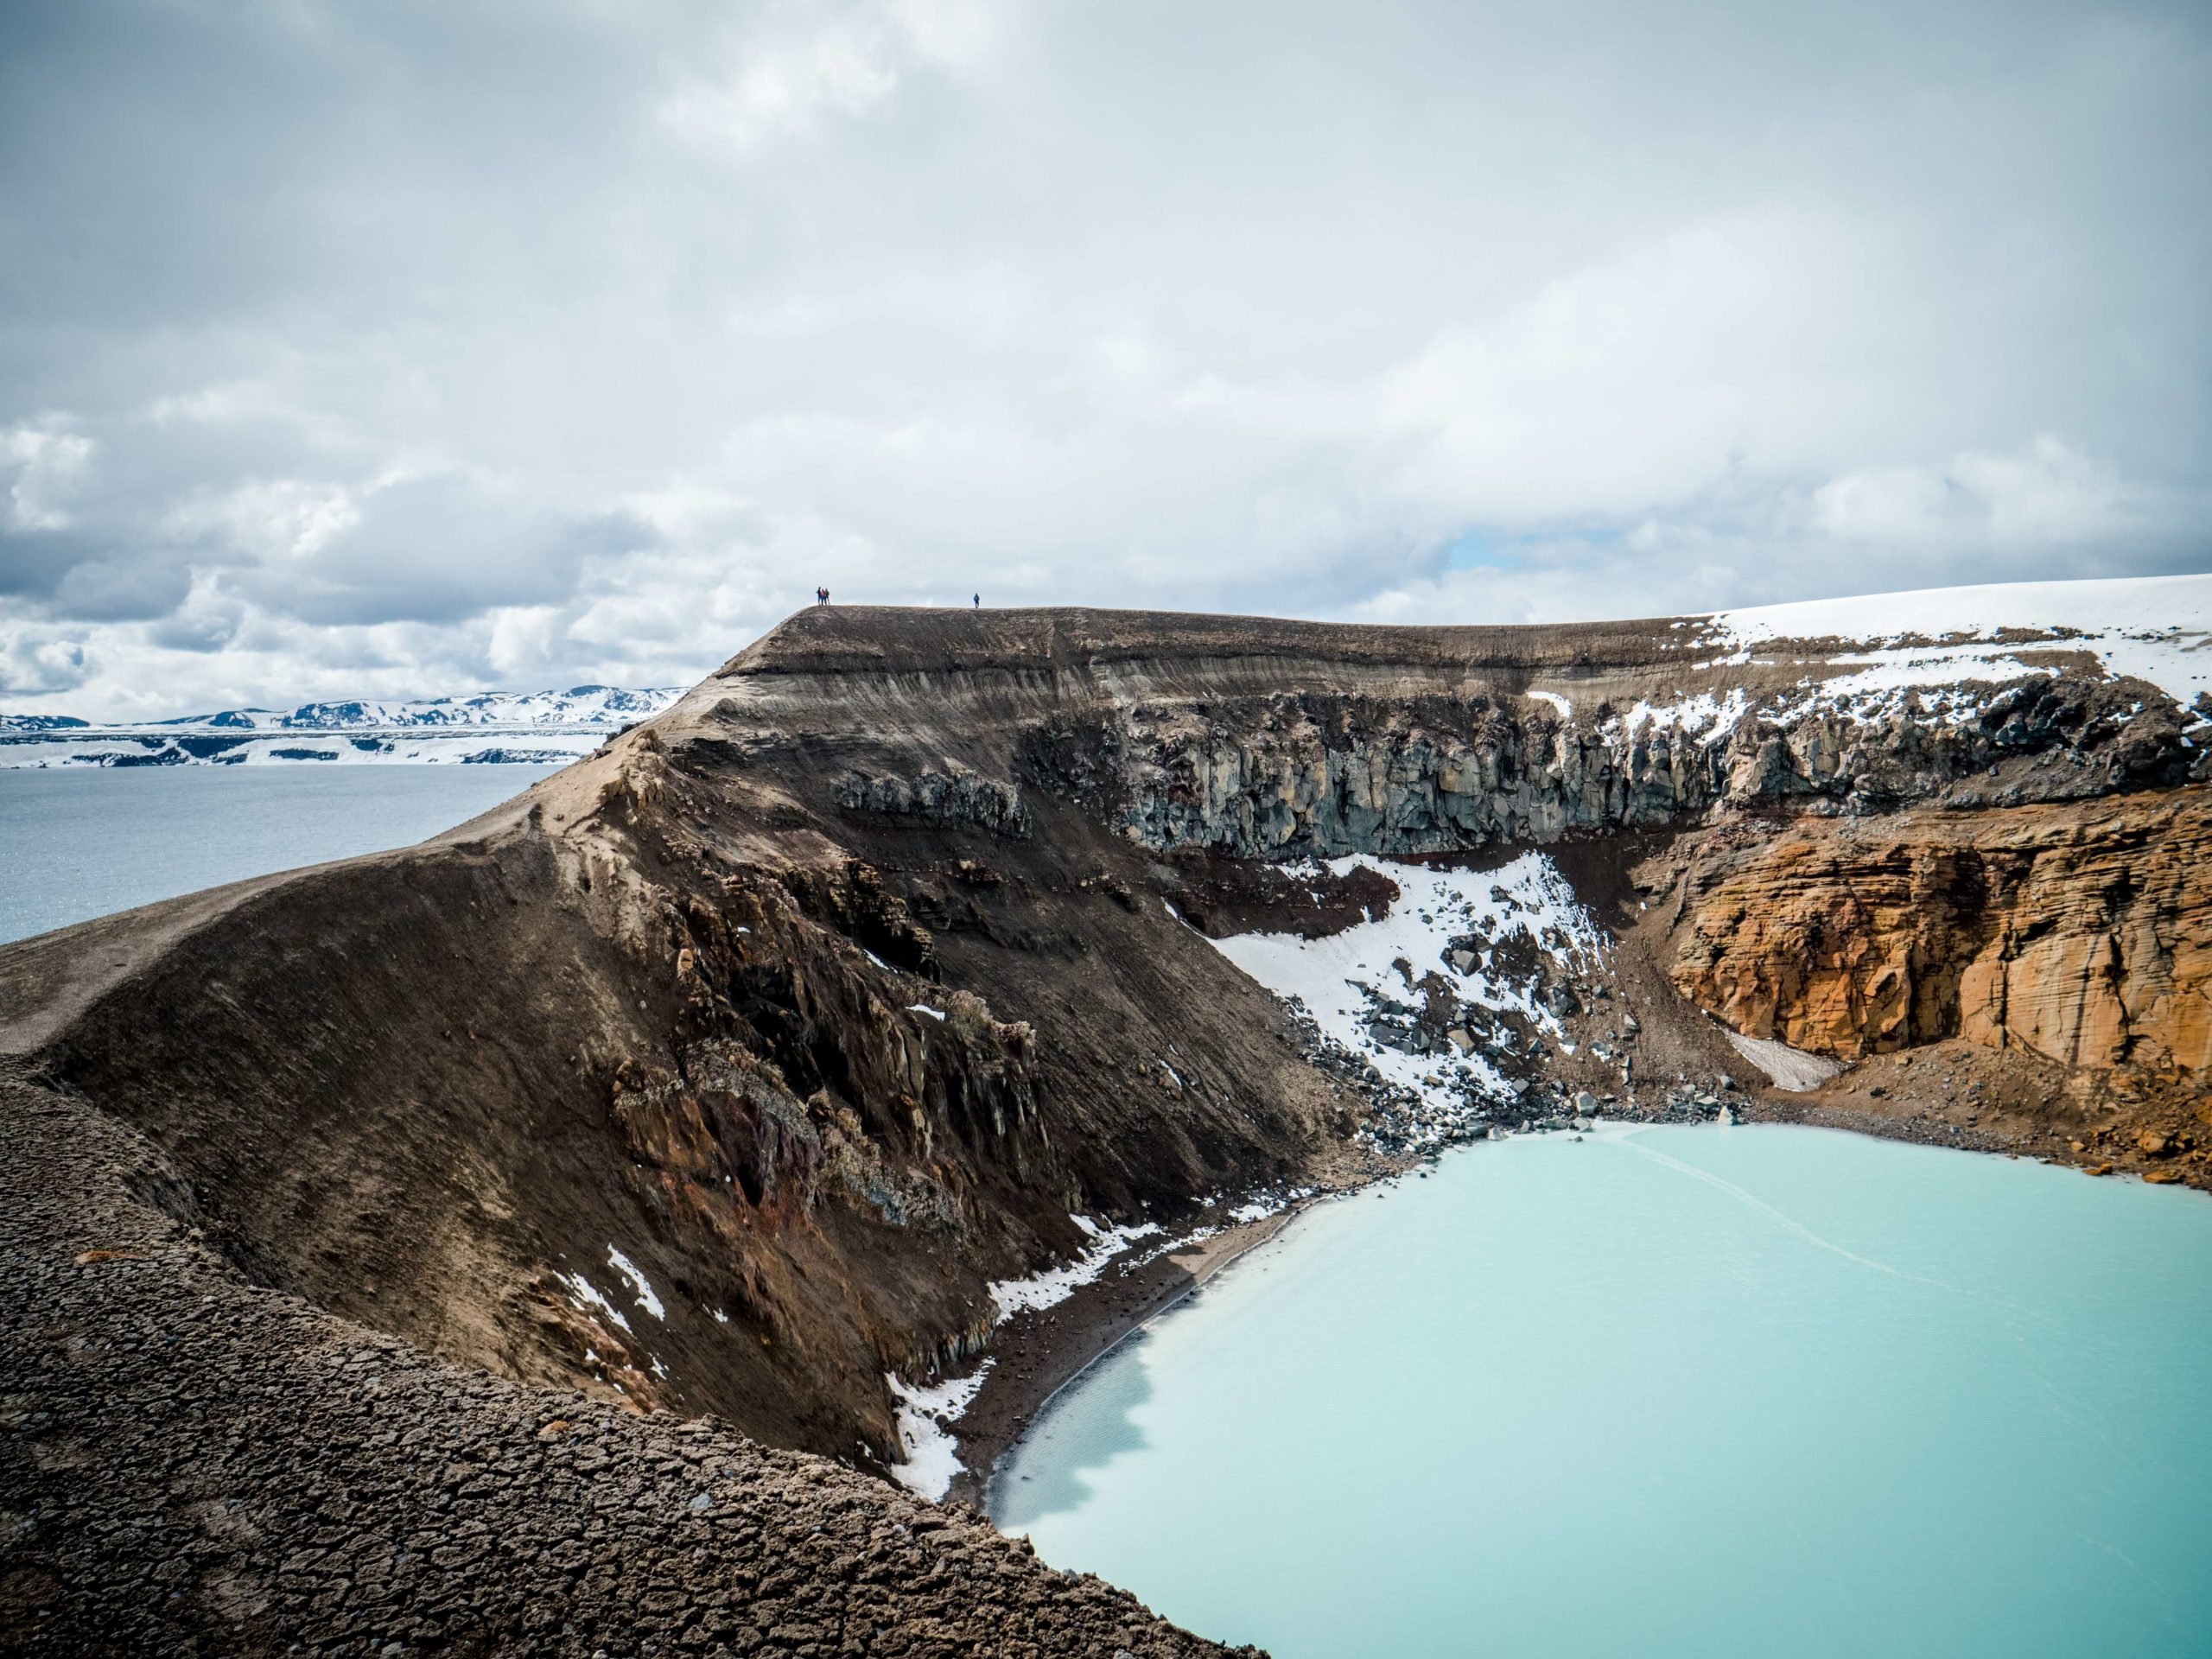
{"points": [[1341, 979]]}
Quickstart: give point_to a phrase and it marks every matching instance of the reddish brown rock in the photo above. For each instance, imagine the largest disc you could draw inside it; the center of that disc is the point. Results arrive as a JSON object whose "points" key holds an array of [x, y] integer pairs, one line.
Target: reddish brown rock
{"points": [[2083, 933]]}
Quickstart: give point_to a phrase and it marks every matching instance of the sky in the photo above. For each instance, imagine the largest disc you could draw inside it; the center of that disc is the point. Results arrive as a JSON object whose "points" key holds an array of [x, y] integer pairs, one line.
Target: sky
{"points": [[419, 347]]}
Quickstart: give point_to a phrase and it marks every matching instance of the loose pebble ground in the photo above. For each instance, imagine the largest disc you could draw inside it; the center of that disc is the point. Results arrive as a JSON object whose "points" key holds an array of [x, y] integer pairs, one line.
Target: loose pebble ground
{"points": [[193, 1464]]}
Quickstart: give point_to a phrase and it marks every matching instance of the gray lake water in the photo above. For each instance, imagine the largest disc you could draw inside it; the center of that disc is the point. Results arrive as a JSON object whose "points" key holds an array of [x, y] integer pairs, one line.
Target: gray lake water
{"points": [[77, 844], [1715, 1391]]}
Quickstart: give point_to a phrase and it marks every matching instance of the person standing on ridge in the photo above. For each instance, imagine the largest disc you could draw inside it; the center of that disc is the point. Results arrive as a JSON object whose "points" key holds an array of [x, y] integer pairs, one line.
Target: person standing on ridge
{"points": [[979, 601]]}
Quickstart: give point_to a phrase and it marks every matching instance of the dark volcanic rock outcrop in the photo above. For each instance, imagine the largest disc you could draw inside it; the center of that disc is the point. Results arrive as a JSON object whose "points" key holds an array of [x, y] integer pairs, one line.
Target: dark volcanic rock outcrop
{"points": [[939, 800], [1298, 773]]}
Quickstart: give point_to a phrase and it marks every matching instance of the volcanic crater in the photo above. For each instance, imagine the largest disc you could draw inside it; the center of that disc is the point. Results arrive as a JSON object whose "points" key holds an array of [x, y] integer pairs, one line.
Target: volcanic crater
{"points": [[538, 1239]]}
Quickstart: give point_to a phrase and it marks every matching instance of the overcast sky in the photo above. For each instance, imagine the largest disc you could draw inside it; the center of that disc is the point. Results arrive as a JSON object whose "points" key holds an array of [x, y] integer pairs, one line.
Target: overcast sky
{"points": [[425, 346]]}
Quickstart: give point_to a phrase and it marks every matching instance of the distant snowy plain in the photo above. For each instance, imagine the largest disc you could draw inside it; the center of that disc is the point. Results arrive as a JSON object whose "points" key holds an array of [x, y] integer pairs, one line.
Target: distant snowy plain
{"points": [[528, 729]]}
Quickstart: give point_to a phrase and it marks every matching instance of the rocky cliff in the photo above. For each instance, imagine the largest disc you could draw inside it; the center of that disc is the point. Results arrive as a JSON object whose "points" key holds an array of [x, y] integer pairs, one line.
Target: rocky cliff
{"points": [[2079, 937], [2080, 933], [193, 1464], [1303, 774]]}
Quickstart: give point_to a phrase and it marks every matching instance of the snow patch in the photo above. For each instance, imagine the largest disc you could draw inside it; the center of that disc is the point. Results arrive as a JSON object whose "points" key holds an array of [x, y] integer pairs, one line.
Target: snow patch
{"points": [[932, 1458], [642, 1293], [1339, 979], [533, 728], [924, 1007], [1566, 709], [1789, 1068], [2155, 628], [1702, 716], [1055, 1285], [585, 1294]]}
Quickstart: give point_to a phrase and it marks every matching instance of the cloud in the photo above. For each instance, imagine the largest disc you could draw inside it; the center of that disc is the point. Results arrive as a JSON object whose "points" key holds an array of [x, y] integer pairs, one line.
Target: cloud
{"points": [[36, 663], [791, 69], [121, 588], [2042, 495], [1728, 343], [414, 348], [49, 462], [271, 520]]}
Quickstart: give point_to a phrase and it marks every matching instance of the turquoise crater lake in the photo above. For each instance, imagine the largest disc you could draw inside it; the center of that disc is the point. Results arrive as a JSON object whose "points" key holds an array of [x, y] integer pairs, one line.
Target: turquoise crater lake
{"points": [[1748, 1391]]}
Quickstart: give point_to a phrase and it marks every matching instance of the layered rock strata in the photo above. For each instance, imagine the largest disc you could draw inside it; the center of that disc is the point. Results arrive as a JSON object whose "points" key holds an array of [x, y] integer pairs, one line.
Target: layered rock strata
{"points": [[2083, 934], [1300, 774]]}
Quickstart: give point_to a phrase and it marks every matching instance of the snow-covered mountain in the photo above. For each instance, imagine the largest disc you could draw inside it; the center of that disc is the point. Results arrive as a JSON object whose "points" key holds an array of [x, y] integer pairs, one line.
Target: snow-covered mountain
{"points": [[580, 707], [493, 726]]}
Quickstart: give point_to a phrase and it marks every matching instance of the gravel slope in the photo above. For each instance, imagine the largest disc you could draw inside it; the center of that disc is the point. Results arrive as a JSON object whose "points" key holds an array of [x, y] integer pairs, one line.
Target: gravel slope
{"points": [[194, 1465]]}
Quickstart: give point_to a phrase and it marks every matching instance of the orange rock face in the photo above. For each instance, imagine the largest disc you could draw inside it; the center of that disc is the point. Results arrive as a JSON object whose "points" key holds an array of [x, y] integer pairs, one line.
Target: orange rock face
{"points": [[2082, 932]]}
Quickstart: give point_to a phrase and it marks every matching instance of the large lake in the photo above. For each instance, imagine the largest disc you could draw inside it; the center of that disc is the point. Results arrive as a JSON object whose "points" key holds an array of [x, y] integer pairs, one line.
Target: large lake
{"points": [[1717, 1391], [77, 844]]}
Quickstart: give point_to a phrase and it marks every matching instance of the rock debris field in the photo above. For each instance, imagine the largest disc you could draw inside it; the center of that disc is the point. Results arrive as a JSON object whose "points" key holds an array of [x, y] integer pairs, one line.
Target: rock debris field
{"points": [[191, 1465]]}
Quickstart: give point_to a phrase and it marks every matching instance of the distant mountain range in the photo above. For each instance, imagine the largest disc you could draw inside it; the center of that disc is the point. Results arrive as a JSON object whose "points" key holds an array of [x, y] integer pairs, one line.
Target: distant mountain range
{"points": [[492, 726]]}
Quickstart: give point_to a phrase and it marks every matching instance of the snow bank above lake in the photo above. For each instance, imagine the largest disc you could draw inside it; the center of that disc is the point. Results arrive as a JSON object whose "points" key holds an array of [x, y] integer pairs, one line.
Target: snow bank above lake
{"points": [[1055, 1285], [932, 1458], [1487, 932]]}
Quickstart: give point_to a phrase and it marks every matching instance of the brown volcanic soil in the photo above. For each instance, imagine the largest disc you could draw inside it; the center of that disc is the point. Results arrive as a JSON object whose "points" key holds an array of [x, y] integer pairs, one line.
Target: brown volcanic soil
{"points": [[824, 999]]}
